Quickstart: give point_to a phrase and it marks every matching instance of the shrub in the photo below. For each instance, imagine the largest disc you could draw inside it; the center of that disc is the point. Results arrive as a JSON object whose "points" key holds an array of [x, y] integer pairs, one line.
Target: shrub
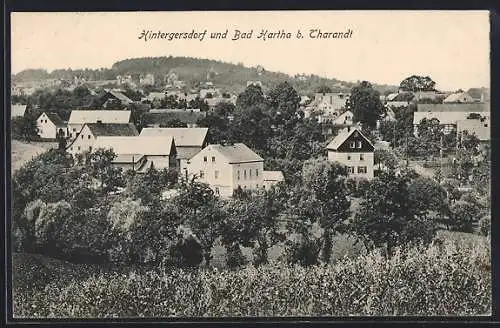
{"points": [[447, 279]]}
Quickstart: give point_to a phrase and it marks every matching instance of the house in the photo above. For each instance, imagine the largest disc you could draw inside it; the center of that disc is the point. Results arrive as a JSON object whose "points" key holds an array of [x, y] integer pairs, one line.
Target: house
{"points": [[212, 102], [78, 118], [188, 141], [225, 167], [353, 150], [479, 94], [148, 79], [152, 96], [479, 126], [331, 123], [402, 99], [449, 114], [87, 136], [459, 97], [50, 126], [214, 92], [164, 118], [255, 83], [17, 110], [114, 98], [140, 153], [330, 103], [272, 178]]}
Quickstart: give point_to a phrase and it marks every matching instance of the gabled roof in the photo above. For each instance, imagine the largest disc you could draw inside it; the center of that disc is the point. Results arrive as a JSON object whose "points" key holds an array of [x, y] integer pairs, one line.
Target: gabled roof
{"points": [[56, 119], [236, 153], [105, 116], [343, 135], [343, 117], [136, 145], [273, 176], [184, 137], [17, 110], [120, 96], [458, 97], [112, 129]]}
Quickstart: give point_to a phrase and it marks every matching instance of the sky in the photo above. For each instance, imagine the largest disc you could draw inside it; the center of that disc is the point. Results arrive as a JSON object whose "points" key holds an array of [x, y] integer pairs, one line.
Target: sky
{"points": [[452, 47]]}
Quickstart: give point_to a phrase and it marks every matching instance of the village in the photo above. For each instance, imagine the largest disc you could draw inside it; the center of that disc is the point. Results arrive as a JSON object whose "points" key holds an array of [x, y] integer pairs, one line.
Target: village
{"points": [[153, 171]]}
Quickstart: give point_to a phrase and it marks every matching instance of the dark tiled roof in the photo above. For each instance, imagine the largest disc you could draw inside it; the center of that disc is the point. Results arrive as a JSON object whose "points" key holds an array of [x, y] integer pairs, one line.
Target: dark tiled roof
{"points": [[187, 117], [113, 129], [55, 118]]}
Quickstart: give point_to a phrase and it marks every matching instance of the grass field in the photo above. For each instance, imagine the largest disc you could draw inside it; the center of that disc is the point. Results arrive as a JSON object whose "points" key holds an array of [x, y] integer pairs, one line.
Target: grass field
{"points": [[23, 151]]}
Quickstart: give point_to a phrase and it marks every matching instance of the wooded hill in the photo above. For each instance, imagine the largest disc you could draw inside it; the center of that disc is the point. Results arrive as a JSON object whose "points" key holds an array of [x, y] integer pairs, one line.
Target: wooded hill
{"points": [[227, 76]]}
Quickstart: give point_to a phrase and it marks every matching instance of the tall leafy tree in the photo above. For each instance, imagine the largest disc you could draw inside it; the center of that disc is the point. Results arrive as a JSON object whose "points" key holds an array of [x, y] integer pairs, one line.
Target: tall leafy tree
{"points": [[416, 83], [365, 104]]}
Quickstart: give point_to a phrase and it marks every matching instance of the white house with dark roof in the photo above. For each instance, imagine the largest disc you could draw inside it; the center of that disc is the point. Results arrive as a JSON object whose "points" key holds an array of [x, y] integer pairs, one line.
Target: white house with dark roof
{"points": [[113, 97], [17, 110], [87, 136], [188, 141], [50, 125], [272, 178], [78, 118], [226, 167], [353, 150]]}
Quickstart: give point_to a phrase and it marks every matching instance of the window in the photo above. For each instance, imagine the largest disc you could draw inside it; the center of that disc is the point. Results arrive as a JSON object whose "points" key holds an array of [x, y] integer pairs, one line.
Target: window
{"points": [[71, 148], [348, 157], [350, 169], [245, 174], [361, 157], [41, 121], [216, 174], [250, 173], [238, 174], [256, 172], [90, 148], [202, 174], [74, 130], [353, 144], [89, 136], [213, 159], [359, 144], [362, 169], [78, 147], [217, 192], [82, 136], [257, 186], [204, 158], [45, 121]]}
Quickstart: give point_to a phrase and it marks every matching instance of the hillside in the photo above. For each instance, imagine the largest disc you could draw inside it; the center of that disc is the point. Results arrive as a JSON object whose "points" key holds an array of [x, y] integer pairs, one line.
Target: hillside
{"points": [[228, 76]]}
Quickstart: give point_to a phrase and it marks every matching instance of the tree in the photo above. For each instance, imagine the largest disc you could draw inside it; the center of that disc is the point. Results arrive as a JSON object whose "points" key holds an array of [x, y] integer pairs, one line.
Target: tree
{"points": [[428, 196], [285, 102], [388, 215], [102, 168], [323, 198], [365, 104], [23, 128], [464, 216], [416, 83], [431, 135], [386, 158]]}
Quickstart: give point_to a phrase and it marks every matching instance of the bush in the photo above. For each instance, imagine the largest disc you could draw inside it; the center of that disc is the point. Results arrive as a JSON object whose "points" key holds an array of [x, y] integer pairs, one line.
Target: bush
{"points": [[446, 279]]}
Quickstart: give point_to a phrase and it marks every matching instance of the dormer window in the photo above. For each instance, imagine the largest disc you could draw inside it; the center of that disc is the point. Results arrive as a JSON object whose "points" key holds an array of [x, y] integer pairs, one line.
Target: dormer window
{"points": [[205, 159], [359, 144], [353, 144], [213, 159]]}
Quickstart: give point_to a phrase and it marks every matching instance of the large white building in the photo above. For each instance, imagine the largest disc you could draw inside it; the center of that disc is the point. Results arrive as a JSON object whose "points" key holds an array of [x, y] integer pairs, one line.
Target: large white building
{"points": [[226, 167], [353, 150]]}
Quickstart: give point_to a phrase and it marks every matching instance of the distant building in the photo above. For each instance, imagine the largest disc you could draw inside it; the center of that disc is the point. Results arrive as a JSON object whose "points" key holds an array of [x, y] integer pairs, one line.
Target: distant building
{"points": [[111, 98], [256, 83], [188, 141], [329, 103], [215, 92], [152, 96], [79, 117], [148, 79], [272, 178], [226, 167], [353, 150], [17, 110], [86, 139], [459, 97], [50, 125], [480, 127], [162, 118]]}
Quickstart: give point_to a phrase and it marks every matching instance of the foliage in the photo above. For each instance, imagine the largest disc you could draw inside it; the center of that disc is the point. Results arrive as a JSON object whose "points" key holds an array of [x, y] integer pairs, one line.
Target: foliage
{"points": [[390, 216], [416, 83], [440, 280], [365, 104]]}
